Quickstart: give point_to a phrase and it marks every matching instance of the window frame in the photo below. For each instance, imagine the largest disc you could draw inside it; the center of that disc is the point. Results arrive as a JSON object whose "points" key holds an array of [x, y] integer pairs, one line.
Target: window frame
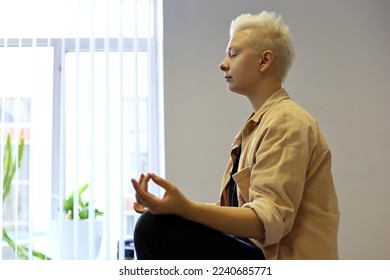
{"points": [[64, 45]]}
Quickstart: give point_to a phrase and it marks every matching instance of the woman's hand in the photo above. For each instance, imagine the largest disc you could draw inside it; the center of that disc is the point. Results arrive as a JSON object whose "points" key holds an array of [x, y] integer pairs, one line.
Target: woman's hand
{"points": [[172, 202], [138, 206], [238, 221]]}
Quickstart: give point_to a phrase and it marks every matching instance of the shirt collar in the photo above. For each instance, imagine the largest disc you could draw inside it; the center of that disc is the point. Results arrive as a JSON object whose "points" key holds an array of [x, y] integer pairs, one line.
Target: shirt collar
{"points": [[255, 117], [276, 97]]}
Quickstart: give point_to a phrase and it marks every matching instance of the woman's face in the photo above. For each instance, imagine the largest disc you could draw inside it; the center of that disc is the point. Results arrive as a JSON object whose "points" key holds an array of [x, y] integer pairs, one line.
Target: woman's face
{"points": [[241, 65]]}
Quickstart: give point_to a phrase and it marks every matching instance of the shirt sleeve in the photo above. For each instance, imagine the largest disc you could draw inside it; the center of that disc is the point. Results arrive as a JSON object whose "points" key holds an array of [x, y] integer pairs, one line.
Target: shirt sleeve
{"points": [[278, 175]]}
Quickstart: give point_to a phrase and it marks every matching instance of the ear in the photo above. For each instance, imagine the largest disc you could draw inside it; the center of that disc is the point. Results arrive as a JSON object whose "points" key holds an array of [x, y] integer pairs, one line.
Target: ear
{"points": [[267, 58]]}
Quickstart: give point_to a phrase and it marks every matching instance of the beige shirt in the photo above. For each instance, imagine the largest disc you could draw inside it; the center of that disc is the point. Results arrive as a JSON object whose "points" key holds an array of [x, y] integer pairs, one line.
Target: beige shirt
{"points": [[284, 175]]}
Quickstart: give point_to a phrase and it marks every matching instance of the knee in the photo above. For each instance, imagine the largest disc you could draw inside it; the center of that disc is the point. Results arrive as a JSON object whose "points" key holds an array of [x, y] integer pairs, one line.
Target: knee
{"points": [[142, 234], [150, 235], [150, 228], [145, 224]]}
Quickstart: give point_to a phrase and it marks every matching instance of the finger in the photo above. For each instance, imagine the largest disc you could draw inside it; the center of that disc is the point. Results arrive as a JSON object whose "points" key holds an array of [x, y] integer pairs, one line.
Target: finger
{"points": [[138, 199], [162, 182], [139, 208], [138, 190], [139, 205], [140, 187], [144, 197], [137, 184], [144, 182], [141, 180]]}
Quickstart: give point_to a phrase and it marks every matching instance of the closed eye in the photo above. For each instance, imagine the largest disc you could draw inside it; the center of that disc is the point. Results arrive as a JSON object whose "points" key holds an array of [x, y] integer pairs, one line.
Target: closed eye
{"points": [[233, 52]]}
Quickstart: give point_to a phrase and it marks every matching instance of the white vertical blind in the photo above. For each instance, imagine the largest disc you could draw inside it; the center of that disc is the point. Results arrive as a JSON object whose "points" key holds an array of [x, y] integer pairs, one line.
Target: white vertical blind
{"points": [[21, 92], [106, 118], [122, 128]]}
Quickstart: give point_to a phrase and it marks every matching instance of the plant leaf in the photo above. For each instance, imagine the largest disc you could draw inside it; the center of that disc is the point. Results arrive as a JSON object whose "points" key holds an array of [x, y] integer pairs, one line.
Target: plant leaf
{"points": [[83, 205], [12, 244], [98, 212], [68, 204], [36, 254], [23, 250], [82, 189], [83, 214], [20, 151], [9, 168]]}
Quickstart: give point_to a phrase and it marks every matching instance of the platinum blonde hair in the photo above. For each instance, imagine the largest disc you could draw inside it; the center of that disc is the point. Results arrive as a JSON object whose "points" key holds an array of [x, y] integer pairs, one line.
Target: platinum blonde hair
{"points": [[268, 32]]}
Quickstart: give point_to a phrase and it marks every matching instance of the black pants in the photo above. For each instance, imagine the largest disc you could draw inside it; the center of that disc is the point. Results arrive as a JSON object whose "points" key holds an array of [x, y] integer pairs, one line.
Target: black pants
{"points": [[170, 237]]}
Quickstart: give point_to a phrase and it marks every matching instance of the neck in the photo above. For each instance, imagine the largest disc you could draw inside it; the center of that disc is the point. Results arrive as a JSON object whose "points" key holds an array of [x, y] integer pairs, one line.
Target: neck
{"points": [[260, 96]]}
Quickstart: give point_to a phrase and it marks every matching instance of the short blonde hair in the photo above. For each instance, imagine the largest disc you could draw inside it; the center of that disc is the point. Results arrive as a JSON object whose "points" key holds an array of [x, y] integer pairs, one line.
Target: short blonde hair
{"points": [[269, 32]]}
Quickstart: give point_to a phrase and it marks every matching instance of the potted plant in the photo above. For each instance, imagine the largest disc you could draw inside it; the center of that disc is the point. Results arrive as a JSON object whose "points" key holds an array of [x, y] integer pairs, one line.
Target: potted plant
{"points": [[10, 164], [83, 208], [69, 238]]}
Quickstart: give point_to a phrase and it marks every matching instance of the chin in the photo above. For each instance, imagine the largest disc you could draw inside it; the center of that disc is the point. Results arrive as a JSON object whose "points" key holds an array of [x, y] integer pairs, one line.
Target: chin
{"points": [[236, 91]]}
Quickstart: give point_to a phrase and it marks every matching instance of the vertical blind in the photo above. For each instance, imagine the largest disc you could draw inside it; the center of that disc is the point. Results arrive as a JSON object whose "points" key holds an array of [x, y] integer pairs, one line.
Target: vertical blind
{"points": [[81, 93]]}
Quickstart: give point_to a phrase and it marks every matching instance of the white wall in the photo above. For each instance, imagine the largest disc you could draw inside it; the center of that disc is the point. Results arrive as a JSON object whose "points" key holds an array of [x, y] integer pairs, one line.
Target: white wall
{"points": [[340, 75]]}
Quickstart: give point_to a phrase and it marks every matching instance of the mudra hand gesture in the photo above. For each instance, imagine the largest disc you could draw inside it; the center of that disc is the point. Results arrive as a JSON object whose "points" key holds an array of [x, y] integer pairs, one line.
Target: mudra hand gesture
{"points": [[172, 202]]}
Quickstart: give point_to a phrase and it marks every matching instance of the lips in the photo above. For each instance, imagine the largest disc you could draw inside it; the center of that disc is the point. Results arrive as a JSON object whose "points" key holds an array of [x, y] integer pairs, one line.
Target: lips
{"points": [[228, 78]]}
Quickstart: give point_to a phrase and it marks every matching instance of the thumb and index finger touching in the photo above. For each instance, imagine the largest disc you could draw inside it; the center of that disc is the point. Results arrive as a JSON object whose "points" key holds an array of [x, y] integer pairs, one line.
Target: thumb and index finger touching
{"points": [[141, 185], [144, 199]]}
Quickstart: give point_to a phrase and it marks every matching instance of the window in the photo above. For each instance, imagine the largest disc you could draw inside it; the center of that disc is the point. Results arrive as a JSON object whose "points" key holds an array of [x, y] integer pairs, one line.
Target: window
{"points": [[87, 99], [26, 109]]}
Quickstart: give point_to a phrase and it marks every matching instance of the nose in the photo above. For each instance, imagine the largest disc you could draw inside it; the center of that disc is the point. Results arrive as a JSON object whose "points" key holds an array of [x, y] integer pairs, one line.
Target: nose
{"points": [[224, 66]]}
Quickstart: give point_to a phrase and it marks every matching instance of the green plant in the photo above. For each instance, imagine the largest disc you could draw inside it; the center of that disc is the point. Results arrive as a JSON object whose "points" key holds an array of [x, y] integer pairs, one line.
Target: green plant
{"points": [[9, 169], [83, 207]]}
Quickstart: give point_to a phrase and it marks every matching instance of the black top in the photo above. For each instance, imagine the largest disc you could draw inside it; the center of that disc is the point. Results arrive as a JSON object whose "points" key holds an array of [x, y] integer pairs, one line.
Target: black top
{"points": [[233, 201]]}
